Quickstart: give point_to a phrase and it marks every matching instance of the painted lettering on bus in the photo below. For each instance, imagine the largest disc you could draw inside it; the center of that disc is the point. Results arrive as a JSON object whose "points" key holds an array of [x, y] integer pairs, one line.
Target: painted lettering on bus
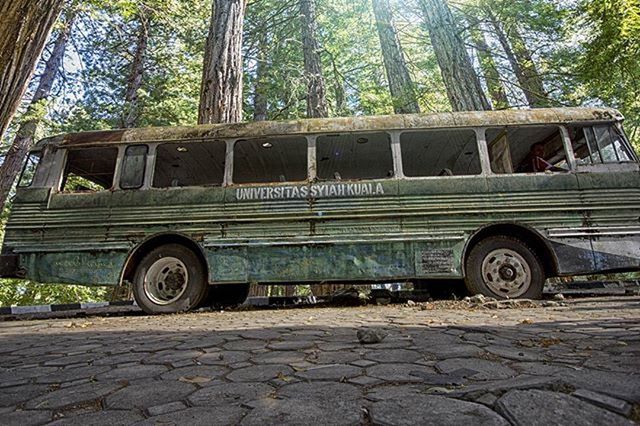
{"points": [[314, 191]]}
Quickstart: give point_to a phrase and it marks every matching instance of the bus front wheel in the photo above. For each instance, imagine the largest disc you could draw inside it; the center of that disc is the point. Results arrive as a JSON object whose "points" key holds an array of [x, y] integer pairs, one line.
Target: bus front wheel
{"points": [[169, 279], [505, 268]]}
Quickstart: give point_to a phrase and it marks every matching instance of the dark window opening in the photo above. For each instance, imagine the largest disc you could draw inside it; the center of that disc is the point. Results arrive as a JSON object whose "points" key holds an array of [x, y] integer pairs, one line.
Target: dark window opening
{"points": [[89, 169], [440, 153], [189, 164], [599, 144], [29, 170], [531, 149], [270, 160], [354, 156], [133, 166]]}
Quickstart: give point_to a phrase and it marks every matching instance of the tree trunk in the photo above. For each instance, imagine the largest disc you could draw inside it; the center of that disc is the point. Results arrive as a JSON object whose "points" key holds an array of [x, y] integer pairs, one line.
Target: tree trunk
{"points": [[491, 74], [462, 84], [521, 63], [316, 98], [221, 89], [400, 84], [260, 105], [17, 153], [24, 28], [134, 82]]}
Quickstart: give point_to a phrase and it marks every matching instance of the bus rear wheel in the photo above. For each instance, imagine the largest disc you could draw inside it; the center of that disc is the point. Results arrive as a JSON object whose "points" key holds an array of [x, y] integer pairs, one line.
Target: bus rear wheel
{"points": [[505, 268], [169, 279]]}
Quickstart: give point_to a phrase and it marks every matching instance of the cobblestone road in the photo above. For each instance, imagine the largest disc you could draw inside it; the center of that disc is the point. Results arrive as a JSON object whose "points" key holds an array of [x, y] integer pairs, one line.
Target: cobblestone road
{"points": [[576, 364]]}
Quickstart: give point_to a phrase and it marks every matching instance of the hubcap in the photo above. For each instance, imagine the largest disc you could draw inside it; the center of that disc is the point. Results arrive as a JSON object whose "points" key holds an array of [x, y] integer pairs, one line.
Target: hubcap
{"points": [[166, 280], [506, 273]]}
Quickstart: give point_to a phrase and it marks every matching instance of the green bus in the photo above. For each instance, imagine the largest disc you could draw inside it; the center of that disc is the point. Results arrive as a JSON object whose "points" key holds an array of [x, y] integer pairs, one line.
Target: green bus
{"points": [[186, 215]]}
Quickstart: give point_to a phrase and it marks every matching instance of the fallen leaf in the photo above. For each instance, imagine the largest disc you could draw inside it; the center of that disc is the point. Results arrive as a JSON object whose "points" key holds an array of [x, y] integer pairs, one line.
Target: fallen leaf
{"points": [[194, 379]]}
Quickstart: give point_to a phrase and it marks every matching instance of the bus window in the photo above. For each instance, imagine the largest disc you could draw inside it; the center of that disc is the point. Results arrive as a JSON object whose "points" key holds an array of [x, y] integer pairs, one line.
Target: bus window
{"points": [[133, 166], [89, 169], [281, 159], [354, 156], [29, 171], [189, 164], [530, 149], [599, 144], [440, 153]]}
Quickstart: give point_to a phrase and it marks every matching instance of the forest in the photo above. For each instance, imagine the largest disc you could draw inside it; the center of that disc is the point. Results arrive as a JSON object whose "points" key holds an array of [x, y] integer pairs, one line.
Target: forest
{"points": [[98, 64]]}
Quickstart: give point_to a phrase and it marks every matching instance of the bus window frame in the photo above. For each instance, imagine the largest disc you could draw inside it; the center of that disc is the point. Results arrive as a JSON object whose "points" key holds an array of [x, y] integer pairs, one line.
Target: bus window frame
{"points": [[481, 147], [63, 156], [145, 170], [634, 164]]}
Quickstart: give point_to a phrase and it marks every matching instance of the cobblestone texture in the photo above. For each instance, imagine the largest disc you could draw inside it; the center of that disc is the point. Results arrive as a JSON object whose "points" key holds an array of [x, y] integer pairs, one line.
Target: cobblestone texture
{"points": [[439, 364]]}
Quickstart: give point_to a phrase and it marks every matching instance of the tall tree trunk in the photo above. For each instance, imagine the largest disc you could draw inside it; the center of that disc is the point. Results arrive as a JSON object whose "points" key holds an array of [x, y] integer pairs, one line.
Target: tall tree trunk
{"points": [[400, 84], [521, 63], [17, 153], [316, 98], [491, 74], [462, 84], [134, 82], [260, 104], [221, 89], [24, 28]]}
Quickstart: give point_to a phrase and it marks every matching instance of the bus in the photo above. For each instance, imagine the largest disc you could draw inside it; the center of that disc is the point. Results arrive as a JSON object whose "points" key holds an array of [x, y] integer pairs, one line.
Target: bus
{"points": [[187, 215]]}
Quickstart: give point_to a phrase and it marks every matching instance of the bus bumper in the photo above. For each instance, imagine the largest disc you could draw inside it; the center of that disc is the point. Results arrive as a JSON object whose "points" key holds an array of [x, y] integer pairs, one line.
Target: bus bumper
{"points": [[9, 267]]}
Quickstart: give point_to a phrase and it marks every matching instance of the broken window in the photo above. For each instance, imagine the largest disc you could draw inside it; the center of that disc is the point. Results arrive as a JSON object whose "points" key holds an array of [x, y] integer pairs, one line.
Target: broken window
{"points": [[29, 170], [189, 164], [354, 156], [530, 149], [440, 153], [89, 169], [133, 166], [282, 159], [599, 144]]}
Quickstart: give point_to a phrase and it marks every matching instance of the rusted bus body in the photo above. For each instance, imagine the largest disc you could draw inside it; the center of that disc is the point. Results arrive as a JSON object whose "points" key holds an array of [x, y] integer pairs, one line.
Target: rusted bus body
{"points": [[584, 219]]}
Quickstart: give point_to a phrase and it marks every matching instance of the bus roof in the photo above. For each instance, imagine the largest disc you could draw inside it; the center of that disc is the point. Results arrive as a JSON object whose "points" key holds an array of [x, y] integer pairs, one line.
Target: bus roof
{"points": [[338, 125]]}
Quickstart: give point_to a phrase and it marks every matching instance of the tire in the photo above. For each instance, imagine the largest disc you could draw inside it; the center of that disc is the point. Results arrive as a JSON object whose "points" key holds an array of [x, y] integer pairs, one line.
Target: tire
{"points": [[505, 268], [223, 296], [170, 279]]}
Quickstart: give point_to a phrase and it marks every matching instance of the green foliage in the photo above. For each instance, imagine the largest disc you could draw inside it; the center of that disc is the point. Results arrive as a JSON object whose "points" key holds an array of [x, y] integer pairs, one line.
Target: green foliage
{"points": [[26, 293]]}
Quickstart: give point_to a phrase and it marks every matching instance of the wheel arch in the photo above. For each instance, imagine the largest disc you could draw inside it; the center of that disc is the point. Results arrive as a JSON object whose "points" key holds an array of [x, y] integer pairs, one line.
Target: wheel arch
{"points": [[522, 232], [155, 241]]}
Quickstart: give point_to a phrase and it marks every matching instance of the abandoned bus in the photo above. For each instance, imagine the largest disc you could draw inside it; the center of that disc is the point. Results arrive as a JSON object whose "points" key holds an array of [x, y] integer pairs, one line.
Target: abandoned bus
{"points": [[501, 199]]}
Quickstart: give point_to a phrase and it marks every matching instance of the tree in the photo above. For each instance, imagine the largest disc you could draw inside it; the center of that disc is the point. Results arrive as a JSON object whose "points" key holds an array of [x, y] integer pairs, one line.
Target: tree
{"points": [[131, 111], [400, 84], [23, 140], [316, 98], [489, 68], [463, 86], [221, 90], [24, 29]]}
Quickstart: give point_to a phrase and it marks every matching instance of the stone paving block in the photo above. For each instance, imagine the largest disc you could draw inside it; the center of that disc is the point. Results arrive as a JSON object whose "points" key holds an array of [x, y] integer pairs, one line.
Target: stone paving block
{"points": [[291, 345], [436, 410], [62, 361], [223, 393], [132, 372], [484, 370], [244, 345], [170, 407], [198, 416], [364, 381], [259, 373], [100, 418], [209, 372], [612, 404], [26, 418], [394, 355], [149, 393], [72, 374], [171, 356], [223, 357], [74, 395], [363, 363], [536, 407], [278, 357], [399, 372], [18, 394], [330, 372]]}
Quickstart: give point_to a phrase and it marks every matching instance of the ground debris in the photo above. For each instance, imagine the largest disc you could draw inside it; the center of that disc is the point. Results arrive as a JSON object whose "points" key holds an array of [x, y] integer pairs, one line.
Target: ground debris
{"points": [[371, 335]]}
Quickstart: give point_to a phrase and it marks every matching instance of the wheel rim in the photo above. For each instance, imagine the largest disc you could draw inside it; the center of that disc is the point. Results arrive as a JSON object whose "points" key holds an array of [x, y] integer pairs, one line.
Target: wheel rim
{"points": [[506, 273], [166, 280]]}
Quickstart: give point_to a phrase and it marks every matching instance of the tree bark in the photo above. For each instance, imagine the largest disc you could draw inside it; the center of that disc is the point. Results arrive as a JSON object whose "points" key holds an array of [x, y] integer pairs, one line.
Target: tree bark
{"points": [[462, 84], [24, 28], [260, 103], [134, 82], [491, 74], [316, 97], [400, 84], [521, 63], [15, 157], [221, 89]]}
